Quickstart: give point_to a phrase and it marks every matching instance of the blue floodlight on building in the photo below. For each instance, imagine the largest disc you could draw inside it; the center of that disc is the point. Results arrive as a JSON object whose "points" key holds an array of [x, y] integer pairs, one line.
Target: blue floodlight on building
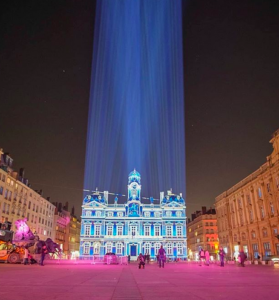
{"points": [[133, 227]]}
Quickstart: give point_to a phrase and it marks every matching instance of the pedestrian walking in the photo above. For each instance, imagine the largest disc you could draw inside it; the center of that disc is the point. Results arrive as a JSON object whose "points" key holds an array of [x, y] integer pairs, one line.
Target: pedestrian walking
{"points": [[202, 256], [26, 253], [222, 254], [207, 257], [44, 252], [141, 261], [242, 257], [161, 256]]}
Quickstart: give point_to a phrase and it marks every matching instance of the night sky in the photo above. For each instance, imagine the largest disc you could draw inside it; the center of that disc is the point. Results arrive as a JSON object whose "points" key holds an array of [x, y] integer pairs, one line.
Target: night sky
{"points": [[231, 68]]}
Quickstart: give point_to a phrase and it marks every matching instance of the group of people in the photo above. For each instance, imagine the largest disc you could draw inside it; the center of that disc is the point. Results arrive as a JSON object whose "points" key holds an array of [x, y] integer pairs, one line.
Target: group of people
{"points": [[29, 258], [161, 258], [205, 257]]}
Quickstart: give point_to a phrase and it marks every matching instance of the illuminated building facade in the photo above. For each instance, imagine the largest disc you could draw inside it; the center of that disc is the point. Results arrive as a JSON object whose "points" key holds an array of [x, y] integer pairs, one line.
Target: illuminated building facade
{"points": [[247, 213], [133, 227], [202, 233], [19, 201]]}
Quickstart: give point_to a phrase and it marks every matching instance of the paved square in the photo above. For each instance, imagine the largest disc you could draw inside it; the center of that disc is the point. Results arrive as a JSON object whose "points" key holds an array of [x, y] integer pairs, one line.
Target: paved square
{"points": [[175, 281]]}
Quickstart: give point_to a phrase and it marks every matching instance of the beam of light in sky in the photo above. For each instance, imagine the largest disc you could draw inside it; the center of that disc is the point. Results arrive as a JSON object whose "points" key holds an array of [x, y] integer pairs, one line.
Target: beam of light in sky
{"points": [[136, 111]]}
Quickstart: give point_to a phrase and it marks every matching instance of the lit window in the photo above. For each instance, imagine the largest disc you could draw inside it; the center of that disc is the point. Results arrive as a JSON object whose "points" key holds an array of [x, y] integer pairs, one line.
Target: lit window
{"points": [[120, 214], [157, 246], [169, 249], [147, 214], [87, 229], [262, 212], [97, 230], [157, 231], [168, 213], [157, 214], [271, 208], [147, 248], [119, 230], [108, 247], [109, 230], [118, 248], [260, 192], [169, 230], [133, 230], [88, 213], [97, 248], [98, 214], [110, 214], [178, 214], [147, 230], [179, 230], [86, 248]]}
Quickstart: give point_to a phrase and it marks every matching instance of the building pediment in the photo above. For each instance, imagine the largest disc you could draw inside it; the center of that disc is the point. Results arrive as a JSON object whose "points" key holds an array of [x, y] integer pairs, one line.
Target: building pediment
{"points": [[94, 204], [172, 204]]}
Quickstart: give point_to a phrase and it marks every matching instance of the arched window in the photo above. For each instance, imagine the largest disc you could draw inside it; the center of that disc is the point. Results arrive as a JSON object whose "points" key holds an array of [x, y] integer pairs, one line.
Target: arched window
{"points": [[98, 214], [108, 247], [88, 213], [253, 234], [179, 249], [147, 214], [235, 238], [243, 236], [147, 247], [120, 214], [86, 248], [157, 214], [178, 214], [119, 248], [168, 214]]}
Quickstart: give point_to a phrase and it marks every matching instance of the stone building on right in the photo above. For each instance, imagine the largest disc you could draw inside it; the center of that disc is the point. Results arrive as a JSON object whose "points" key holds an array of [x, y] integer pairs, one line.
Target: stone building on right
{"points": [[248, 213]]}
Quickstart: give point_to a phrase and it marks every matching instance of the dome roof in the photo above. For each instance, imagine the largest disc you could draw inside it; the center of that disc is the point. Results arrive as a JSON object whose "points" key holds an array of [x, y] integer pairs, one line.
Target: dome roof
{"points": [[134, 174]]}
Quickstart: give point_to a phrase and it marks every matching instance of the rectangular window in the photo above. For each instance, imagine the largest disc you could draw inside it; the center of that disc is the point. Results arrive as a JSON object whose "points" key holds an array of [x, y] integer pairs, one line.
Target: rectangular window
{"points": [[180, 249], [277, 249], [169, 230], [264, 233], [260, 192], [6, 194], [120, 230], [118, 248], [267, 249], [29, 204], [157, 231], [86, 248], [147, 230], [133, 230], [87, 229], [266, 246], [268, 187], [179, 230], [109, 230], [255, 247], [97, 230]]}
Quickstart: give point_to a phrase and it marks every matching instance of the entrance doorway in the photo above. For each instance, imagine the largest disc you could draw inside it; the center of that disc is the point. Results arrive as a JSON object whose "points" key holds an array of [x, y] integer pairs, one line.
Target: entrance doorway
{"points": [[133, 251]]}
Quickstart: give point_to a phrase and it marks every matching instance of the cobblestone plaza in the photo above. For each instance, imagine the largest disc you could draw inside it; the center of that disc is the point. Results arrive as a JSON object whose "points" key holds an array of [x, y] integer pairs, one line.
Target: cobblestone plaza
{"points": [[103, 282]]}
